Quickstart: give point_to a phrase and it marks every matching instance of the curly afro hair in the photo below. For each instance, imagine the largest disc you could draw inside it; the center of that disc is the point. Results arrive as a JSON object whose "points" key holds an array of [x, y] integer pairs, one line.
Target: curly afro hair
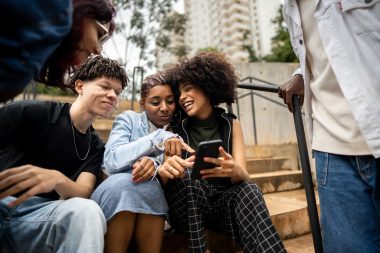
{"points": [[211, 72]]}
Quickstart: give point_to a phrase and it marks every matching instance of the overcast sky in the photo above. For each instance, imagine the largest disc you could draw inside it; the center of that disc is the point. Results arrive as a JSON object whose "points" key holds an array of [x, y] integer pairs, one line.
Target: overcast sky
{"points": [[115, 47]]}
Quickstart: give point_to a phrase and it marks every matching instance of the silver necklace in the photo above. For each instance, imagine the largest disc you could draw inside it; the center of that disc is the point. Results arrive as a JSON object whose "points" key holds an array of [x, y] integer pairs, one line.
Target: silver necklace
{"points": [[75, 144]]}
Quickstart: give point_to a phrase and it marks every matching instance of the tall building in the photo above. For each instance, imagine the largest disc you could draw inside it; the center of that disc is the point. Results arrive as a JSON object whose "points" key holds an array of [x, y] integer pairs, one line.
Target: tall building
{"points": [[231, 25], [262, 13]]}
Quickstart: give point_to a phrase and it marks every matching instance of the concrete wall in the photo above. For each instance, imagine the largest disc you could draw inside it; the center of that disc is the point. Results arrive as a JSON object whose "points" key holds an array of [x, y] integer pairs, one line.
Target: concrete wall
{"points": [[274, 123]]}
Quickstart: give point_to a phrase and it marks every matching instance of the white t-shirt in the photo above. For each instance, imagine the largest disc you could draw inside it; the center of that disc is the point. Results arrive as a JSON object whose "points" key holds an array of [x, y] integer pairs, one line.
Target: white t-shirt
{"points": [[334, 128]]}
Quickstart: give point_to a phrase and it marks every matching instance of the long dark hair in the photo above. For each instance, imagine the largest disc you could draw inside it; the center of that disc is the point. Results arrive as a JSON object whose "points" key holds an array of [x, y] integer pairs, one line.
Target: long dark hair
{"points": [[61, 61]]}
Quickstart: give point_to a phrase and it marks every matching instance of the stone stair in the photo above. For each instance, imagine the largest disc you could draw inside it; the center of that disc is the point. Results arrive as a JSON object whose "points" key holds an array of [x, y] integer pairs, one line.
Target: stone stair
{"points": [[275, 168], [103, 127], [300, 244], [276, 181], [288, 210]]}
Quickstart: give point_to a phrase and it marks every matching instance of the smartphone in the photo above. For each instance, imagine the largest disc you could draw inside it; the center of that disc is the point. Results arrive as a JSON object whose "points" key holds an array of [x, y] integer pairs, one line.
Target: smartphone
{"points": [[205, 149]]}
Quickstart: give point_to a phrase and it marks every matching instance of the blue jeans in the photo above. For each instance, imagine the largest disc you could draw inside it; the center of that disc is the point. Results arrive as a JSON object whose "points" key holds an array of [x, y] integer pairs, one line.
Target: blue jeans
{"points": [[349, 193], [43, 225]]}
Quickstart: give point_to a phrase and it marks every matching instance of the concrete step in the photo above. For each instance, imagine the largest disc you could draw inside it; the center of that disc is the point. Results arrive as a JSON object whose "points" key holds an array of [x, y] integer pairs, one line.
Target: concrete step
{"points": [[282, 180], [103, 123], [288, 211], [265, 164], [177, 244], [285, 150], [103, 126], [300, 244], [103, 134]]}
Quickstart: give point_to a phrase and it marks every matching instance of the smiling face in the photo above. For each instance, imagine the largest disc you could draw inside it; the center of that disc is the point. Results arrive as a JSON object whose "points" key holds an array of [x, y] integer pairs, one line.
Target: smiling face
{"points": [[194, 101], [99, 96], [159, 105], [94, 35]]}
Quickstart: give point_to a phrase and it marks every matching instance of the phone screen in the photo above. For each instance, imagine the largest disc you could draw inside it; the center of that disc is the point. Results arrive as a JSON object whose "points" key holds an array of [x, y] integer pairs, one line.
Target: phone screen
{"points": [[205, 149]]}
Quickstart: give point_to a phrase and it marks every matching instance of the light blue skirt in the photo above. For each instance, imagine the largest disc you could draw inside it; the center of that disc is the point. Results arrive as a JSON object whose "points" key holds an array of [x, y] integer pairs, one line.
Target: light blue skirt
{"points": [[119, 193]]}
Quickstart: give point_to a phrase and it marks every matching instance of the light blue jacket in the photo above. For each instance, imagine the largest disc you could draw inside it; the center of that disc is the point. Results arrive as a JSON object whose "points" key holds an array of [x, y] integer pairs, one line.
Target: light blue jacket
{"points": [[130, 140]]}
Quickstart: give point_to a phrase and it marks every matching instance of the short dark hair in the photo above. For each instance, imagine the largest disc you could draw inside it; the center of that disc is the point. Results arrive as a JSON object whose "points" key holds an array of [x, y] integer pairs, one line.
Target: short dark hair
{"points": [[98, 66], [61, 60], [150, 82], [211, 72]]}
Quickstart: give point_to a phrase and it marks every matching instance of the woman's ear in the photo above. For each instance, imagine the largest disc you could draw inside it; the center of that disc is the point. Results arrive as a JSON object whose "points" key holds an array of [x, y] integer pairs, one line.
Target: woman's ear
{"points": [[79, 86], [141, 103]]}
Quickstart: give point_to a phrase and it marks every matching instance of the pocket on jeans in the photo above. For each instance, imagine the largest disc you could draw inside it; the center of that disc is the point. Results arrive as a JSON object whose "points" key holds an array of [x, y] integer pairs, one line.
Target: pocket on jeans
{"points": [[322, 164]]}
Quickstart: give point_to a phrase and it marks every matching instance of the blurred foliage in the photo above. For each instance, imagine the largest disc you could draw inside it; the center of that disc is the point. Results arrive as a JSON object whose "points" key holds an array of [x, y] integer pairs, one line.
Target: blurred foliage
{"points": [[48, 90], [208, 49], [180, 51], [282, 50], [149, 20], [247, 47], [172, 25]]}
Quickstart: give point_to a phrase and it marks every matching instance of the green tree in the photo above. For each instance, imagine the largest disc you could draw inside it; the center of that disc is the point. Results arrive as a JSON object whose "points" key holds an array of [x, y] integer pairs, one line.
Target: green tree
{"points": [[140, 26], [172, 24], [41, 88], [247, 47], [282, 50], [208, 49]]}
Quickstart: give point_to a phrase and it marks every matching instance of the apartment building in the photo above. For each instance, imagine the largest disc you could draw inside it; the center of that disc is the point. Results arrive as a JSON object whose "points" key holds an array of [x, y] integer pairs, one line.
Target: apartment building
{"points": [[229, 26]]}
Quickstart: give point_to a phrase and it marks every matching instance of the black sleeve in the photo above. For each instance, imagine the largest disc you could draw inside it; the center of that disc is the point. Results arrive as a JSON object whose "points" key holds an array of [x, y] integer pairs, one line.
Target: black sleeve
{"points": [[19, 119]]}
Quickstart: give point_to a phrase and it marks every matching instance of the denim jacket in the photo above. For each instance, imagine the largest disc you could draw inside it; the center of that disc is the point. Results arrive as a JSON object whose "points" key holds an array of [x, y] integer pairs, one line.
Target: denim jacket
{"points": [[350, 33], [130, 140]]}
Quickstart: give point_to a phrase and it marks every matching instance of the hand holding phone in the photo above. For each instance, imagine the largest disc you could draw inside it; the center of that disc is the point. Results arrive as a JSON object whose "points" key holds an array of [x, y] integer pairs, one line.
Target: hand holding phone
{"points": [[205, 149]]}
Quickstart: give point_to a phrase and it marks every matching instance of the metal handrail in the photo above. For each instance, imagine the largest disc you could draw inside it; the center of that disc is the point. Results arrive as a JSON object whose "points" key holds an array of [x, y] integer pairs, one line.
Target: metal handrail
{"points": [[267, 87], [264, 97], [250, 78], [135, 76], [305, 162]]}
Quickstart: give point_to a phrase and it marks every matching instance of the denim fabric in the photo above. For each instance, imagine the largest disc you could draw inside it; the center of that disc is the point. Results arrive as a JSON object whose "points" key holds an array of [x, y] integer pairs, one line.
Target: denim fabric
{"points": [[130, 139], [31, 31], [349, 193], [119, 193], [43, 225]]}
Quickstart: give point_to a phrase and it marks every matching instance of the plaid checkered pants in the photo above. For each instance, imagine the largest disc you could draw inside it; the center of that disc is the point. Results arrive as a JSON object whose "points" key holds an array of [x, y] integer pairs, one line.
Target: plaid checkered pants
{"points": [[239, 211]]}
